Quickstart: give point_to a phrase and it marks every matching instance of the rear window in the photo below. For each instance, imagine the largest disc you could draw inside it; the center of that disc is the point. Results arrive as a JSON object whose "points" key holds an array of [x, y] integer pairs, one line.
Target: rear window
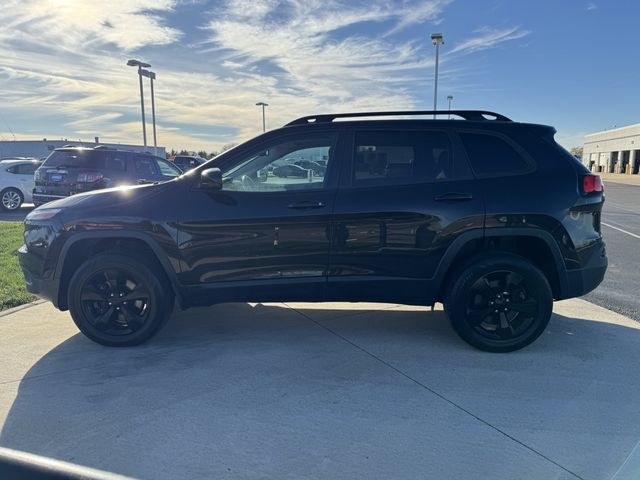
{"points": [[98, 160], [492, 155]]}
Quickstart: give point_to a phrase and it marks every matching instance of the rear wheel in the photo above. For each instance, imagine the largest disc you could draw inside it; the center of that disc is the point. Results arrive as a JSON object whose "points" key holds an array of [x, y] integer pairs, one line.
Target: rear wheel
{"points": [[11, 199], [119, 300], [499, 302]]}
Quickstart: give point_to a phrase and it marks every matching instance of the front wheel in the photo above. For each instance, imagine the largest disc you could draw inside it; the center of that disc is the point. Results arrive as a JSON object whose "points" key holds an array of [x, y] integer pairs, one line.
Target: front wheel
{"points": [[499, 302], [119, 300]]}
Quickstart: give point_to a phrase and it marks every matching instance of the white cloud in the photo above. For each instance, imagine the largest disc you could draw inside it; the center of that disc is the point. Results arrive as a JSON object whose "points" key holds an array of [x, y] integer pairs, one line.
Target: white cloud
{"points": [[126, 24], [591, 6], [64, 61], [487, 37], [355, 72]]}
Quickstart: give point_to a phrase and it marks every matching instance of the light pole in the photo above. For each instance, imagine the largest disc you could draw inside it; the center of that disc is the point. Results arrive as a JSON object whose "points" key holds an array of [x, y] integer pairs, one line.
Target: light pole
{"points": [[140, 65], [449, 97], [152, 76], [437, 40], [262, 104]]}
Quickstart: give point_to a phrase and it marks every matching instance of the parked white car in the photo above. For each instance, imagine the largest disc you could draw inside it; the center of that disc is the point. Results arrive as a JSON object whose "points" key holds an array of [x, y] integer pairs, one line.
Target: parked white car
{"points": [[16, 182]]}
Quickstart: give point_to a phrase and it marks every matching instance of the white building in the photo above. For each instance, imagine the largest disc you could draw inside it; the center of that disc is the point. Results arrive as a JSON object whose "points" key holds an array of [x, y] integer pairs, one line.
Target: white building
{"points": [[42, 148], [613, 151]]}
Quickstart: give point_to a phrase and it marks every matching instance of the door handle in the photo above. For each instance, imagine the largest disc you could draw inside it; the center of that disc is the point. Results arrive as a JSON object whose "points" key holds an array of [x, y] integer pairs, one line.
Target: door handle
{"points": [[453, 197], [306, 205]]}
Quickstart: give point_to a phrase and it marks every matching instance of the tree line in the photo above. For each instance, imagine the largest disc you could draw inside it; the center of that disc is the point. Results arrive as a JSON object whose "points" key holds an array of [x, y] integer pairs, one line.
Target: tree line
{"points": [[201, 153]]}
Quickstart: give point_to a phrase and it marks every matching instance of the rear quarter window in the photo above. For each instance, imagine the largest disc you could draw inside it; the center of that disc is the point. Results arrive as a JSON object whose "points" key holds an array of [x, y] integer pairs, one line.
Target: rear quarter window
{"points": [[492, 155]]}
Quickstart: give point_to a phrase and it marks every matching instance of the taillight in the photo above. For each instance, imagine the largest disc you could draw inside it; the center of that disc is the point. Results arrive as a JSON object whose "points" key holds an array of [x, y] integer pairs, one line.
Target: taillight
{"points": [[89, 177], [592, 183]]}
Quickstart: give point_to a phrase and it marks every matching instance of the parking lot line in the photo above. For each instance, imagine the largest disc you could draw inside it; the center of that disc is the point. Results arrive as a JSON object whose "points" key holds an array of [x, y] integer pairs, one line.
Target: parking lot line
{"points": [[620, 230]]}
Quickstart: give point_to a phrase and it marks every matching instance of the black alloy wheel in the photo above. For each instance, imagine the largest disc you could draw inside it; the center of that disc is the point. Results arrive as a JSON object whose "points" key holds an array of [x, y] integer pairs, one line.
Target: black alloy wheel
{"points": [[499, 302], [500, 307], [118, 299], [116, 302]]}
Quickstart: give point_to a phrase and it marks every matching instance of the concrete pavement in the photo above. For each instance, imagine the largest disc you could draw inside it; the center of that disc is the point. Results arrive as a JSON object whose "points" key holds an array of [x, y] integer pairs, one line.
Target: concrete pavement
{"points": [[325, 391]]}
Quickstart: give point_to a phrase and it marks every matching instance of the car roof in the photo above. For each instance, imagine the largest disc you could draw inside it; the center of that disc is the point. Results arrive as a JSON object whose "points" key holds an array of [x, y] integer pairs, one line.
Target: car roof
{"points": [[101, 149]]}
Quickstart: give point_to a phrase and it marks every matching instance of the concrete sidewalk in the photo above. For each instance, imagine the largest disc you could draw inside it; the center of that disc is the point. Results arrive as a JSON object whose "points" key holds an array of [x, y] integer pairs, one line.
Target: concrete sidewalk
{"points": [[326, 391]]}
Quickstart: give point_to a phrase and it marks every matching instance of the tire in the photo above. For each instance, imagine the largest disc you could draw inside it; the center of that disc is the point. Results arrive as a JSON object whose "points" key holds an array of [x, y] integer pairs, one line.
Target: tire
{"points": [[498, 302], [11, 199], [119, 300]]}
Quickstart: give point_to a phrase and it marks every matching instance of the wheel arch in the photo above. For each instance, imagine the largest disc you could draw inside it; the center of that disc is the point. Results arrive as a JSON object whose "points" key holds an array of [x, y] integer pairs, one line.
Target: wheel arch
{"points": [[535, 245], [82, 245]]}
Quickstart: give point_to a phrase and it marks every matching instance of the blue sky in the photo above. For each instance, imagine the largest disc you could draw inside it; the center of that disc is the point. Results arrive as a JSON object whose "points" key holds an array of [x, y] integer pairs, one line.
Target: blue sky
{"points": [[570, 63]]}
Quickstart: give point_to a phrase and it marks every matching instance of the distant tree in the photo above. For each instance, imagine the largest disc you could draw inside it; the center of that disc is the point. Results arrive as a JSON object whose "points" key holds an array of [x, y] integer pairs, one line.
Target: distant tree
{"points": [[227, 147], [577, 151]]}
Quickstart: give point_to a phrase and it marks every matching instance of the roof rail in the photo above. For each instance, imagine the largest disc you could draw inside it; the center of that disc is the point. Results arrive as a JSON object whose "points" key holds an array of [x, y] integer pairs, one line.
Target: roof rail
{"points": [[471, 115]]}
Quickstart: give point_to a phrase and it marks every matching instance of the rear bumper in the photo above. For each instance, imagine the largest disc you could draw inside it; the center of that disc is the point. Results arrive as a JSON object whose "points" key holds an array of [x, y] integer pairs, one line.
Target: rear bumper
{"points": [[44, 198], [581, 281]]}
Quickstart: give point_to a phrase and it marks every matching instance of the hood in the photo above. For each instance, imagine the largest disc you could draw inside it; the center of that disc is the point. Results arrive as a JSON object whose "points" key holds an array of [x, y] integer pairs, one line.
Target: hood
{"points": [[116, 197]]}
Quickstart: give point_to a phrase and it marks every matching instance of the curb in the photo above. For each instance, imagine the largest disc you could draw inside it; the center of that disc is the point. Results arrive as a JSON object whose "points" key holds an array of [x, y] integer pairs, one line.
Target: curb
{"points": [[4, 313]]}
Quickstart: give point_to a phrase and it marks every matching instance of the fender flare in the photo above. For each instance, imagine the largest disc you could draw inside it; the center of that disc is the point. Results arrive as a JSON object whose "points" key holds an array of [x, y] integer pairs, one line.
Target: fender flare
{"points": [[459, 243], [159, 253]]}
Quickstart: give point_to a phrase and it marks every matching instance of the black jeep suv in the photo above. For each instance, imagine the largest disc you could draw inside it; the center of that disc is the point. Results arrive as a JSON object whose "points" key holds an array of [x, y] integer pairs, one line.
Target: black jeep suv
{"points": [[70, 170], [488, 216]]}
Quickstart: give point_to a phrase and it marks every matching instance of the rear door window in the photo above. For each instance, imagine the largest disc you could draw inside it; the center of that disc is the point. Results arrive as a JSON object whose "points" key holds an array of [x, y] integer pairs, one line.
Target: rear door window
{"points": [[116, 161], [492, 155], [402, 157], [145, 166]]}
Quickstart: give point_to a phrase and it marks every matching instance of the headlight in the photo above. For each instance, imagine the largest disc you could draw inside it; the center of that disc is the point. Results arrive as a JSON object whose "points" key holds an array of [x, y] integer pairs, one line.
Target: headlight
{"points": [[43, 214]]}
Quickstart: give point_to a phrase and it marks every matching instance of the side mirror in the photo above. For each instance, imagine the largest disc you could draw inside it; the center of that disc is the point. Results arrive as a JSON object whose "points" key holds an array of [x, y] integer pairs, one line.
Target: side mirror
{"points": [[211, 179]]}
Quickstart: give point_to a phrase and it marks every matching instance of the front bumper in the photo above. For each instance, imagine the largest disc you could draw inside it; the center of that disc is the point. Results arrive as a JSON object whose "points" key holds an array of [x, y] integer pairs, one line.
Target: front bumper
{"points": [[35, 283]]}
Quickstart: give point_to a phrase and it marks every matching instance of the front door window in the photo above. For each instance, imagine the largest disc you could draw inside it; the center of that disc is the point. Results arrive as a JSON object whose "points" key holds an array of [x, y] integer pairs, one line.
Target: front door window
{"points": [[296, 163]]}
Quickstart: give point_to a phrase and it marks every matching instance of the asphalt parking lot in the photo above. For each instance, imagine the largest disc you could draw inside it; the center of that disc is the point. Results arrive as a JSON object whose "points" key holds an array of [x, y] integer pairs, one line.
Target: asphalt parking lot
{"points": [[18, 215], [325, 391], [621, 231]]}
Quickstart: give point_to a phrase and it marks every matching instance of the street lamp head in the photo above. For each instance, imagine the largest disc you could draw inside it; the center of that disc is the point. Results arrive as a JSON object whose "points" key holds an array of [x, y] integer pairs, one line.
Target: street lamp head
{"points": [[437, 38], [449, 97], [138, 63], [148, 74], [262, 104]]}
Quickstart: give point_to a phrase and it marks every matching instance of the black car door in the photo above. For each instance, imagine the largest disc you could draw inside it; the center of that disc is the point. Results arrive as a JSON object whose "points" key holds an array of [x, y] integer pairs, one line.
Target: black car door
{"points": [[262, 230], [404, 199]]}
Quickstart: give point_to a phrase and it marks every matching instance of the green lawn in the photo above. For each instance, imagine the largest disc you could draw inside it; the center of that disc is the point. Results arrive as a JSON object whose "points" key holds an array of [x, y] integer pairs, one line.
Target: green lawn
{"points": [[12, 291]]}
